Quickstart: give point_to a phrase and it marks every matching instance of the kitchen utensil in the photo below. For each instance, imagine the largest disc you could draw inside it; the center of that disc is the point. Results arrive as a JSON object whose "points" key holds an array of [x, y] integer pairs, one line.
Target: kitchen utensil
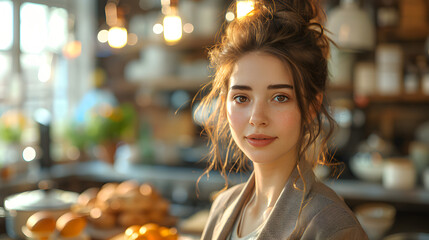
{"points": [[419, 154], [376, 218], [367, 166], [399, 173], [19, 207]]}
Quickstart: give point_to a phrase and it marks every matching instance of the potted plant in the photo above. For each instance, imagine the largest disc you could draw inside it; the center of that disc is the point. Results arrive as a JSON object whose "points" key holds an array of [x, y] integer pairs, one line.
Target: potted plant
{"points": [[12, 124], [108, 125]]}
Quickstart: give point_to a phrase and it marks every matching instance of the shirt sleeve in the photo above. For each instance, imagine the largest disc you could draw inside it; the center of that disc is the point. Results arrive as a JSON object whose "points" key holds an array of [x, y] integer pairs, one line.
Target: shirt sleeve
{"points": [[333, 223]]}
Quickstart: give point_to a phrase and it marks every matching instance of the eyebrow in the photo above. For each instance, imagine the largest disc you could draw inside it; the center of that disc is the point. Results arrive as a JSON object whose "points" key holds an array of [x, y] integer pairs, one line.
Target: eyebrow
{"points": [[274, 86], [278, 86]]}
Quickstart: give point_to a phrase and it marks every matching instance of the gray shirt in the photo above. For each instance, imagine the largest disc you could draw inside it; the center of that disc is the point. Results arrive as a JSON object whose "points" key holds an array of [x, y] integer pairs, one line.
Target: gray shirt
{"points": [[324, 215]]}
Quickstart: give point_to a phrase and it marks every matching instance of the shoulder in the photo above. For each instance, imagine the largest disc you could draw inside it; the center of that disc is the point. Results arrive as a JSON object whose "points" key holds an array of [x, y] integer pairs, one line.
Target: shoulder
{"points": [[222, 201], [325, 204], [325, 214]]}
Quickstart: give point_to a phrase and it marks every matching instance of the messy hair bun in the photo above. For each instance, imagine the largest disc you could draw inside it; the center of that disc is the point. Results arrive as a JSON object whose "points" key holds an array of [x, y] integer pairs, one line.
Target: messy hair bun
{"points": [[291, 31], [308, 10]]}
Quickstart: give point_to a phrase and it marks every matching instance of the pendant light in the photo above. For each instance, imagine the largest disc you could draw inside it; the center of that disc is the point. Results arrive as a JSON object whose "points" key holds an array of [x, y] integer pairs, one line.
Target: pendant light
{"points": [[117, 36], [172, 23]]}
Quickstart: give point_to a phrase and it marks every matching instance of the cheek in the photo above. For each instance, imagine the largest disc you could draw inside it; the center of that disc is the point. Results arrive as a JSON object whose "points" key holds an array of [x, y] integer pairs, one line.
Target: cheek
{"points": [[237, 118], [290, 121]]}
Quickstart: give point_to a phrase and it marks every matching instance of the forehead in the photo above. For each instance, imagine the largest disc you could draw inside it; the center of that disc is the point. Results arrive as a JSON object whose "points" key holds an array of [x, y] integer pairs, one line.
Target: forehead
{"points": [[262, 69]]}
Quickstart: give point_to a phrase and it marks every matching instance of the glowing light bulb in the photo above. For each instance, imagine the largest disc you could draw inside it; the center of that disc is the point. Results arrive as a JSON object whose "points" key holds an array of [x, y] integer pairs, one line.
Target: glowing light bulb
{"points": [[188, 28], [229, 16], [244, 7], [102, 35], [117, 37], [158, 28], [172, 28], [29, 154]]}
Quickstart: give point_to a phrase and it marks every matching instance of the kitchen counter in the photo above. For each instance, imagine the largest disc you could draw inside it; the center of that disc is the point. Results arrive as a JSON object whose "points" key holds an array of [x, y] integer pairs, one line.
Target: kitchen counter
{"points": [[179, 185], [182, 180], [186, 177]]}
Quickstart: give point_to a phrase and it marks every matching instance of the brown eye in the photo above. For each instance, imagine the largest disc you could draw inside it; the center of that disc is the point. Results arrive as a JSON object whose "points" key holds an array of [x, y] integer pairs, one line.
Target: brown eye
{"points": [[281, 98], [240, 99]]}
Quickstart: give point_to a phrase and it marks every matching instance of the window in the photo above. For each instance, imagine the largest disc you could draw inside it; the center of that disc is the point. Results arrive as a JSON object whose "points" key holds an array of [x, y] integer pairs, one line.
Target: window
{"points": [[6, 31], [36, 72], [6, 19], [43, 33]]}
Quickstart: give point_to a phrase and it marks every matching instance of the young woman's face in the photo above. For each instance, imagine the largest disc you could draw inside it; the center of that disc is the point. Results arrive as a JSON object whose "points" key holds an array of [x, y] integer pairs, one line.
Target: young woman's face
{"points": [[262, 111]]}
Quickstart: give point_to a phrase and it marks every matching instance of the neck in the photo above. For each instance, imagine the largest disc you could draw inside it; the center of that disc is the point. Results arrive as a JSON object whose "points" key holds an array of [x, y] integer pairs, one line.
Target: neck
{"points": [[270, 181]]}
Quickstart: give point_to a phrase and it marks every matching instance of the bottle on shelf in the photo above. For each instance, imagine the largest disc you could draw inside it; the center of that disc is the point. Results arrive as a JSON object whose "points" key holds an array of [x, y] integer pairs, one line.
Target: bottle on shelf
{"points": [[424, 74], [389, 64], [411, 79]]}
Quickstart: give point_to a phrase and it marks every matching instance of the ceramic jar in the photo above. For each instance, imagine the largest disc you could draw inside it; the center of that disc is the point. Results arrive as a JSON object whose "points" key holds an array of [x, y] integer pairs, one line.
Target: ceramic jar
{"points": [[399, 173]]}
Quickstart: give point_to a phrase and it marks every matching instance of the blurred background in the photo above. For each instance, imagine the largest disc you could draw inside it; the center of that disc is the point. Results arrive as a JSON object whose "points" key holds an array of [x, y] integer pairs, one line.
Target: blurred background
{"points": [[94, 92]]}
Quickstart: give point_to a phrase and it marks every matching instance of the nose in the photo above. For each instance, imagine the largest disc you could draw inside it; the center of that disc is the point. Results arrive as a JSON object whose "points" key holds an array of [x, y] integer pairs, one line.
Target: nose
{"points": [[258, 115]]}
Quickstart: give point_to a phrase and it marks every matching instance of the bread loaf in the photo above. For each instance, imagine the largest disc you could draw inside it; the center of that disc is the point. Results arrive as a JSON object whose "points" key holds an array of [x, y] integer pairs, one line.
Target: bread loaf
{"points": [[41, 222], [70, 224]]}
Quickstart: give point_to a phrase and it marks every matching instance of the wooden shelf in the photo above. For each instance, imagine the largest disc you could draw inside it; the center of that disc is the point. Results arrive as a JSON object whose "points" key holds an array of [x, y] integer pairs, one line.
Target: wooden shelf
{"points": [[397, 99], [356, 189], [401, 35], [187, 43], [173, 83]]}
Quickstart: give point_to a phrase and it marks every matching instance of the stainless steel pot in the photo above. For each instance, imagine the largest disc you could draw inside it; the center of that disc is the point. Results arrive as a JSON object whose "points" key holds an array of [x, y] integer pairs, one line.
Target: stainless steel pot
{"points": [[19, 207]]}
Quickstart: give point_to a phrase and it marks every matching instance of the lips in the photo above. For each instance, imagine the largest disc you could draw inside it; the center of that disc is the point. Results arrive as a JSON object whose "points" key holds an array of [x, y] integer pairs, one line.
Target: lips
{"points": [[259, 140]]}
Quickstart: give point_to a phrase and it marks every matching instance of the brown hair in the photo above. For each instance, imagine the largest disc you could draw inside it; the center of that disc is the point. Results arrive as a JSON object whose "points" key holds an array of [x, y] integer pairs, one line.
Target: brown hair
{"points": [[289, 30]]}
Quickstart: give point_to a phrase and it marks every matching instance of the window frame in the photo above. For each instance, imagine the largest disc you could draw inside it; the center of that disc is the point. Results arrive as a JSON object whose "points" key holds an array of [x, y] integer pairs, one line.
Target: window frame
{"points": [[78, 70]]}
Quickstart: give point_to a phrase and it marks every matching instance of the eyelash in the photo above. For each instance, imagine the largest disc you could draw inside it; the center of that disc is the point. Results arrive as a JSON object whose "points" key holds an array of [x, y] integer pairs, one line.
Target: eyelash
{"points": [[281, 95], [237, 98]]}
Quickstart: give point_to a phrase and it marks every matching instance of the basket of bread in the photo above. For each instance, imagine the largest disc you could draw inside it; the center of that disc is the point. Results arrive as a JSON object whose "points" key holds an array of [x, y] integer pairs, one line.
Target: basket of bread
{"points": [[124, 204]]}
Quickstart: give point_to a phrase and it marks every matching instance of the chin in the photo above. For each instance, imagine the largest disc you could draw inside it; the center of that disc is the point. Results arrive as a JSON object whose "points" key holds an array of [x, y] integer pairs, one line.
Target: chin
{"points": [[260, 158]]}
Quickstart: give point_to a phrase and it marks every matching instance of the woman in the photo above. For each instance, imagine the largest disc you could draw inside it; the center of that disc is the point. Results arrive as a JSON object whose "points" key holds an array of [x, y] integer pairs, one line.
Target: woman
{"points": [[268, 91]]}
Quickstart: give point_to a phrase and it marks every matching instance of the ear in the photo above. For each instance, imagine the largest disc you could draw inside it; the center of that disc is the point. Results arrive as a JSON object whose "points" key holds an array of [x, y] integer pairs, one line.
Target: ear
{"points": [[319, 99]]}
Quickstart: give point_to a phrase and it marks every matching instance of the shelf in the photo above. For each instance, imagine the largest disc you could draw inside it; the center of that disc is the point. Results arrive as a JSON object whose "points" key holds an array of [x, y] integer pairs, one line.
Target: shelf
{"points": [[404, 98], [174, 83], [397, 34], [356, 189], [126, 88], [187, 43]]}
